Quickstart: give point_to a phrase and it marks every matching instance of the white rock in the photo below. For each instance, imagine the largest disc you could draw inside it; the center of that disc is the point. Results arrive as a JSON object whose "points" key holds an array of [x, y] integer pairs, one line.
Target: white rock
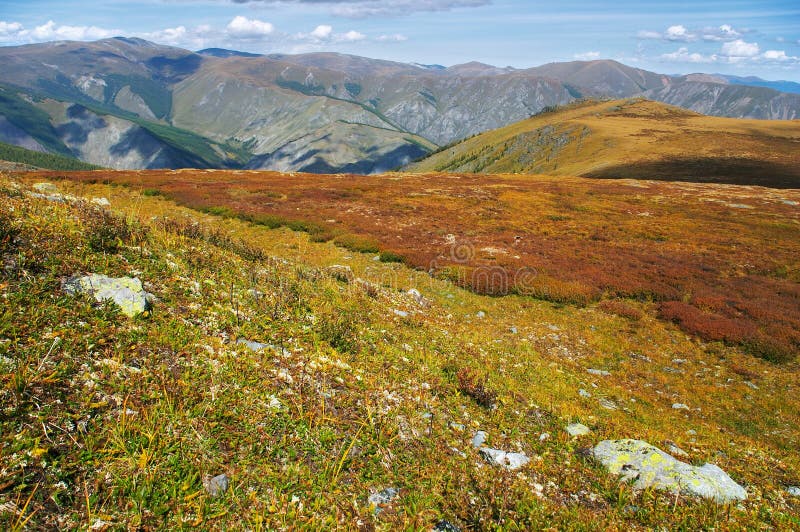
{"points": [[101, 202], [510, 461], [584, 393], [479, 439], [401, 313], [793, 490], [577, 429], [680, 406], [648, 466], [216, 486], [45, 188], [126, 292], [598, 372]]}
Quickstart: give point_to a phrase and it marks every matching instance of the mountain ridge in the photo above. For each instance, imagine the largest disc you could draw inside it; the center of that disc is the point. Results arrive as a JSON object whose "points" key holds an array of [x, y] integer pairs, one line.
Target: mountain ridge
{"points": [[251, 107]]}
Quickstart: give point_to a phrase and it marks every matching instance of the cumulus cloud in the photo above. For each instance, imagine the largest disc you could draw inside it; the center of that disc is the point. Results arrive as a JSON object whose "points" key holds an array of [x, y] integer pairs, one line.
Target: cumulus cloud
{"points": [[739, 48], [240, 32], [734, 52], [682, 55], [368, 8], [323, 31], [50, 31], [587, 56], [680, 33], [245, 28]]}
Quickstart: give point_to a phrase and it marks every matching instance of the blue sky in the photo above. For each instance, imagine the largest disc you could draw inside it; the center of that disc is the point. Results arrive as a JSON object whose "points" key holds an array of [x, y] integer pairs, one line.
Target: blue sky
{"points": [[734, 36]]}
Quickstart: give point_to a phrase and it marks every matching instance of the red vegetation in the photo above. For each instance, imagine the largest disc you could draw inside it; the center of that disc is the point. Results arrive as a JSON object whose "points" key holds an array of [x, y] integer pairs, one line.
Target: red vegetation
{"points": [[720, 271]]}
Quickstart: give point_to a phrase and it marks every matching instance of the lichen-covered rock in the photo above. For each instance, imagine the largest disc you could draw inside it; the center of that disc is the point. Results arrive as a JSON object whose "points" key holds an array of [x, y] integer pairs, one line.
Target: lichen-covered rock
{"points": [[216, 486], [126, 292], [647, 466], [577, 429]]}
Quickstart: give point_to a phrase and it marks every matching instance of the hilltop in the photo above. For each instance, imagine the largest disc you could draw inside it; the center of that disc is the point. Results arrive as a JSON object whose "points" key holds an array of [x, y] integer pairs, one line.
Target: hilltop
{"points": [[633, 138], [281, 382], [128, 104]]}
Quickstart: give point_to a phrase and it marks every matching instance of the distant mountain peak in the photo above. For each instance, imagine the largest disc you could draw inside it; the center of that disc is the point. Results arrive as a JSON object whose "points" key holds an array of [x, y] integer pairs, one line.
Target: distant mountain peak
{"points": [[223, 52]]}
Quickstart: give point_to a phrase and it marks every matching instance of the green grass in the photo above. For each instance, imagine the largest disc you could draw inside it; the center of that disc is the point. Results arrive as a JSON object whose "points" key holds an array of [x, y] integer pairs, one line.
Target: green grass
{"points": [[107, 419], [42, 160]]}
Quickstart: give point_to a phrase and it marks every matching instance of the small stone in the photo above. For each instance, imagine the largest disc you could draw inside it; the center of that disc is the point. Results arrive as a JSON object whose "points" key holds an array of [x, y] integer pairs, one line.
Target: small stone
{"points": [[101, 202], [382, 498], [513, 330], [584, 393], [401, 313], [751, 385], [793, 490], [577, 429], [458, 427], [479, 439], [598, 372], [418, 298], [216, 486], [544, 436], [674, 449], [510, 461], [680, 406], [340, 273], [481, 314], [607, 403], [445, 526], [46, 188]]}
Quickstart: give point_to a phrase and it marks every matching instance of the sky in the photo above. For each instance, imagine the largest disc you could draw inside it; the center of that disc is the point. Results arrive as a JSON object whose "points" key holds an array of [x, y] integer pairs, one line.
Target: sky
{"points": [[737, 37]]}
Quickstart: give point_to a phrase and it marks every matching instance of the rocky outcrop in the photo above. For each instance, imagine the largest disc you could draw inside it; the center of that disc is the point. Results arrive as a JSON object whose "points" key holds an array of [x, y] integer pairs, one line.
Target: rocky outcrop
{"points": [[647, 466], [126, 292]]}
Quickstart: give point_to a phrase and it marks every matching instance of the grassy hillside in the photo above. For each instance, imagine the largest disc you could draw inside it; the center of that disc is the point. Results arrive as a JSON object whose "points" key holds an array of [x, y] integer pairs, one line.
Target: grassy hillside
{"points": [[41, 160], [636, 139], [111, 422]]}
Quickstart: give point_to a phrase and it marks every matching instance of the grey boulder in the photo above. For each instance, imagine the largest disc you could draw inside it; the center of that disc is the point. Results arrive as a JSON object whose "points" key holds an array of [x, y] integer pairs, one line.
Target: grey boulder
{"points": [[126, 292]]}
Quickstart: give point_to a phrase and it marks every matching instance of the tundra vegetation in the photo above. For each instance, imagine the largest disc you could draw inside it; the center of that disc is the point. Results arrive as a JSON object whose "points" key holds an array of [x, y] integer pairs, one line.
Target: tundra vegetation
{"points": [[331, 400]]}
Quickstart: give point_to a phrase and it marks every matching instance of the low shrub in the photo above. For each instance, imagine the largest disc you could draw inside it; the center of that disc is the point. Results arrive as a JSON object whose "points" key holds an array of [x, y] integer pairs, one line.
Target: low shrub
{"points": [[620, 308], [475, 386]]}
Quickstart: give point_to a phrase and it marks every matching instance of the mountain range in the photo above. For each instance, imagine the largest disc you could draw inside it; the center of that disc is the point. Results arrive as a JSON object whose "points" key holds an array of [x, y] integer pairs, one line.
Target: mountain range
{"points": [[130, 103]]}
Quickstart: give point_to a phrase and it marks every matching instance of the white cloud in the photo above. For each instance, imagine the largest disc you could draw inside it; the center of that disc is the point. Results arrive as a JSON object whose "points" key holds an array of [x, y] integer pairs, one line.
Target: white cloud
{"points": [[351, 36], [245, 28], [726, 32], [679, 33], [397, 37], [587, 56], [682, 55], [739, 48], [323, 31], [50, 31], [368, 8]]}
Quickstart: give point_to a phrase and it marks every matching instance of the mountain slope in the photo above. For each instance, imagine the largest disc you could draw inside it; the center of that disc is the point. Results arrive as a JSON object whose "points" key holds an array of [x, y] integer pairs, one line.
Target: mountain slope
{"points": [[633, 138], [313, 112]]}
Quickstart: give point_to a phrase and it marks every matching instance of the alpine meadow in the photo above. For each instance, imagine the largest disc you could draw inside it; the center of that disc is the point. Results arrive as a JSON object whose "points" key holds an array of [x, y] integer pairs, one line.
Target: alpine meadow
{"points": [[321, 265]]}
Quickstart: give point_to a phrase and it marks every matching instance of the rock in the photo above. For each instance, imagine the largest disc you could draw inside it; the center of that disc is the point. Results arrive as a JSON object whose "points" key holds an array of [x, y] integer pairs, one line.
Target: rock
{"points": [[793, 490], [481, 314], [479, 439], [418, 297], [45, 188], [382, 498], [607, 403], [680, 406], [674, 449], [510, 461], [751, 385], [598, 372], [458, 427], [101, 202], [126, 292], [584, 393], [648, 466], [216, 486], [401, 313], [513, 330], [445, 526], [544, 436], [576, 429], [252, 346], [340, 273]]}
